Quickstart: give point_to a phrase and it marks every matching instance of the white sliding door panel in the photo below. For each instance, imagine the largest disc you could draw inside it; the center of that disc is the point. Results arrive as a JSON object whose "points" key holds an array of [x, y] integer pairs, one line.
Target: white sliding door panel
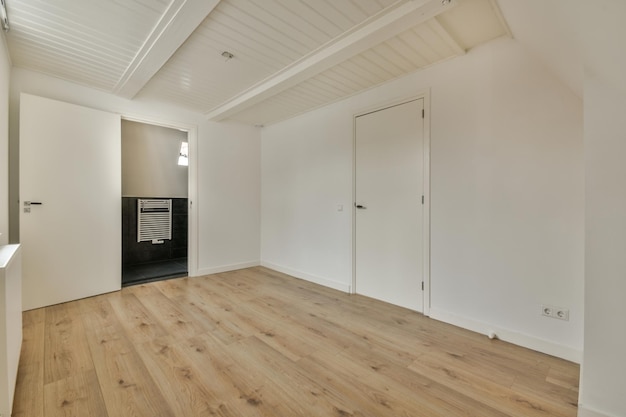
{"points": [[389, 212], [70, 162]]}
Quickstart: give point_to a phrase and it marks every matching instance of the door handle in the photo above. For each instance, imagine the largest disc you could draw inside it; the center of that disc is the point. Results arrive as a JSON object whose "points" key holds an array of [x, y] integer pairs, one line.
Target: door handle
{"points": [[360, 206]]}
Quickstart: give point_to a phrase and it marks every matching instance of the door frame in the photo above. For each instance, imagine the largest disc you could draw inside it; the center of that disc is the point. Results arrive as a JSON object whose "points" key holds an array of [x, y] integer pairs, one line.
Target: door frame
{"points": [[424, 95], [192, 185]]}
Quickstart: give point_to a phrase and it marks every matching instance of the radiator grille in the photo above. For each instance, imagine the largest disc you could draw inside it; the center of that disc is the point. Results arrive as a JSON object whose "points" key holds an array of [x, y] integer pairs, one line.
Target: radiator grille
{"points": [[154, 220]]}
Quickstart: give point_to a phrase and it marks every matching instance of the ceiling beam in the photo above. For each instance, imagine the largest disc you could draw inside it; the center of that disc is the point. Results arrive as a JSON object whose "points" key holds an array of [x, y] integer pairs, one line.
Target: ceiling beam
{"points": [[179, 21], [379, 28]]}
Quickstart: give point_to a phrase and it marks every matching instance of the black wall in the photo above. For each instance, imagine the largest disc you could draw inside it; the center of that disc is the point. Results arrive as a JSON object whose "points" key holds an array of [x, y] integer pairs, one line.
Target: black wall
{"points": [[134, 252]]}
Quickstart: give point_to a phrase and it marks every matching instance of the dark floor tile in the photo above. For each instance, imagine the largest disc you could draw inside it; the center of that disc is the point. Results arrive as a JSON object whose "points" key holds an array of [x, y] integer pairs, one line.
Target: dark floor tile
{"points": [[154, 270]]}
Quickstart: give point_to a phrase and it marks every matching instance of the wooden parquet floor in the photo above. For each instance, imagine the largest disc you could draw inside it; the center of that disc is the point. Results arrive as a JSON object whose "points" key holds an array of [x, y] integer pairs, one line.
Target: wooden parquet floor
{"points": [[256, 342]]}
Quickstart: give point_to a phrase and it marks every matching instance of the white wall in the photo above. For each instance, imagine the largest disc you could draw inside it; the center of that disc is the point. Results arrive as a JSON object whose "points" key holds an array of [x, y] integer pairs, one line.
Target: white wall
{"points": [[507, 230], [229, 172], [223, 172], [306, 173], [550, 31], [602, 389], [506, 195], [604, 365], [150, 161], [5, 72]]}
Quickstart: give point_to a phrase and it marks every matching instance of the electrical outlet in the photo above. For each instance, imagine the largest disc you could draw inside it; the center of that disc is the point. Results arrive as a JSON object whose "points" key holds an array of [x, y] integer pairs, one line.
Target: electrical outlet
{"points": [[546, 311], [562, 314], [555, 312]]}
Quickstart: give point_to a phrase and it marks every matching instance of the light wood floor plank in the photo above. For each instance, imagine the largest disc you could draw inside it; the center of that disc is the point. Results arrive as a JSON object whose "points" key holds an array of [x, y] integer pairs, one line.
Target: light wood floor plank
{"points": [[200, 305], [309, 399], [474, 384], [75, 396], [432, 391], [28, 399], [33, 333], [222, 376], [66, 352], [179, 381], [168, 313], [249, 390], [127, 387], [258, 343], [137, 321]]}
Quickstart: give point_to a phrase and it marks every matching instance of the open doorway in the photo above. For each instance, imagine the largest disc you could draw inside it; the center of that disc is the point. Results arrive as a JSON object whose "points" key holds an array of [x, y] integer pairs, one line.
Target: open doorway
{"points": [[155, 205]]}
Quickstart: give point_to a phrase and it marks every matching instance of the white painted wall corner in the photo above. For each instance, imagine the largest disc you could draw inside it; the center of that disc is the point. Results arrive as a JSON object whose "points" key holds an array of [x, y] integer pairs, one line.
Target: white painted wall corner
{"points": [[585, 412], [225, 268], [308, 277], [517, 338]]}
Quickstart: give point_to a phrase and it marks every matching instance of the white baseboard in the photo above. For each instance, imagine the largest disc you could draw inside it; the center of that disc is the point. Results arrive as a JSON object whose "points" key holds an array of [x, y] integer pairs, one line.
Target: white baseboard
{"points": [[585, 412], [521, 339], [225, 268], [308, 277]]}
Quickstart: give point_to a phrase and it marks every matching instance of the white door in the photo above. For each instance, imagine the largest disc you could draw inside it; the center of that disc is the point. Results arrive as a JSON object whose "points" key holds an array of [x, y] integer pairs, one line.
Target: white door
{"points": [[389, 209], [70, 201]]}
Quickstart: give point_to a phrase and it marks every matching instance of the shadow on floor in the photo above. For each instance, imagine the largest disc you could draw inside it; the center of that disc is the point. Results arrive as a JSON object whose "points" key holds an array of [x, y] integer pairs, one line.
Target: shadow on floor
{"points": [[154, 271]]}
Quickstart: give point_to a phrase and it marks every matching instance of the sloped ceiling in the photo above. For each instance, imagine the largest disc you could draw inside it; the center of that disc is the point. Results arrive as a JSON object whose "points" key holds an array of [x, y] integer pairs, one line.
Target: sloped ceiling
{"points": [[289, 56]]}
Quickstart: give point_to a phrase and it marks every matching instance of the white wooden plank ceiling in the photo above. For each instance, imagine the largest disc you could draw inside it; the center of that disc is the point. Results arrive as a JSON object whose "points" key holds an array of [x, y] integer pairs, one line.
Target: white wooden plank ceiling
{"points": [[290, 56]]}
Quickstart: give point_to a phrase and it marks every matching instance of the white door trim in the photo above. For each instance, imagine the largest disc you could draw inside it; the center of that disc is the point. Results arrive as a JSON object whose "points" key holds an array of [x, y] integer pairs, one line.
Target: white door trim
{"points": [[192, 184], [425, 95]]}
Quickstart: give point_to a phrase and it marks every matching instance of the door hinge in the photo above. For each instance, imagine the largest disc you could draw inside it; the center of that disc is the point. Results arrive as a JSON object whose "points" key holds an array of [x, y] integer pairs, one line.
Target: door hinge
{"points": [[422, 113], [422, 285], [422, 199]]}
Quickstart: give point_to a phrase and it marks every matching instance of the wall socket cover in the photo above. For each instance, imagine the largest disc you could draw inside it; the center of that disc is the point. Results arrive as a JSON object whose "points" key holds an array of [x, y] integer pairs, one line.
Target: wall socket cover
{"points": [[555, 312]]}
